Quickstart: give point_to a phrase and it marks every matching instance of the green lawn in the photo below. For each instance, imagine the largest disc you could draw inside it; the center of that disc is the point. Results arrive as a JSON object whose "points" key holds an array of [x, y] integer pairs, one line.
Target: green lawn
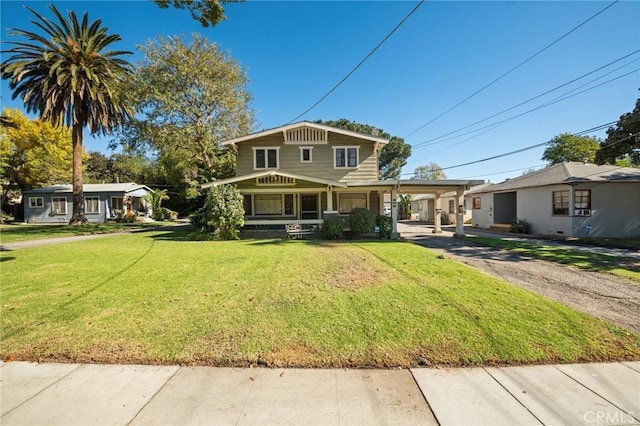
{"points": [[622, 267], [155, 298], [23, 232]]}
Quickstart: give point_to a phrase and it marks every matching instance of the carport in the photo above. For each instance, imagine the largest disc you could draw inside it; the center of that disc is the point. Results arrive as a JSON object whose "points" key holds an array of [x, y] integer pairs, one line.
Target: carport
{"points": [[435, 187]]}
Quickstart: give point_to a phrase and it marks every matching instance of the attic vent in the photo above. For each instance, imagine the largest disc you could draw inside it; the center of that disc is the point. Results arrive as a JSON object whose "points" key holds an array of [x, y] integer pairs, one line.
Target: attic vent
{"points": [[306, 135], [275, 180]]}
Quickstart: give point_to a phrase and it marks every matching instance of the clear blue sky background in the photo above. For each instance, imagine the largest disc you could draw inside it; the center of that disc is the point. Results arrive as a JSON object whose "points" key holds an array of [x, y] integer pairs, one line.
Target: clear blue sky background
{"points": [[295, 51]]}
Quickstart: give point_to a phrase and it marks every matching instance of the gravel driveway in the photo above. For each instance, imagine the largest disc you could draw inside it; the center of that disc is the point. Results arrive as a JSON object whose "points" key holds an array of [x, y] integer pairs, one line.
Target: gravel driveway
{"points": [[598, 294]]}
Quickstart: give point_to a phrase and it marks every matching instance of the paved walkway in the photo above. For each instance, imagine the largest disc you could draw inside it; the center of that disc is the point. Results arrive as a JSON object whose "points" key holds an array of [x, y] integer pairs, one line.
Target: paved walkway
{"points": [[90, 394]]}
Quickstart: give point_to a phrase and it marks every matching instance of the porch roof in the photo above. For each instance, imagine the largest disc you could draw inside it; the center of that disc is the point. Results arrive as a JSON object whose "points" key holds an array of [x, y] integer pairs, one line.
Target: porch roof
{"points": [[414, 186], [275, 173]]}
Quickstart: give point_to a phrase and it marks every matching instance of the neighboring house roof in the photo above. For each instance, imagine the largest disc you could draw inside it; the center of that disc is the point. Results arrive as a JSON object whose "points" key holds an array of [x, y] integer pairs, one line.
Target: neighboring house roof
{"points": [[284, 128], [567, 173], [130, 188]]}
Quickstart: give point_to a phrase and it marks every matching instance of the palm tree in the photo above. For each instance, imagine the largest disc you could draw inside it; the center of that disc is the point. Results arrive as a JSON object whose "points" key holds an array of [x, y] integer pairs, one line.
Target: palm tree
{"points": [[156, 198], [65, 76]]}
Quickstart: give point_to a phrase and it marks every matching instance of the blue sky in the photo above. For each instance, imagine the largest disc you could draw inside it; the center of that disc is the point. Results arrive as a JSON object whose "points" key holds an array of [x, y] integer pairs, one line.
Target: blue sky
{"points": [[295, 51]]}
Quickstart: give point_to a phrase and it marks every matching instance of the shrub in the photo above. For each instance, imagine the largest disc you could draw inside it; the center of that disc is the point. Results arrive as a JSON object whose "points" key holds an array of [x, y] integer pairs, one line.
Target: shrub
{"points": [[166, 215], [332, 228], [222, 213], [520, 226], [127, 217], [359, 221], [385, 224]]}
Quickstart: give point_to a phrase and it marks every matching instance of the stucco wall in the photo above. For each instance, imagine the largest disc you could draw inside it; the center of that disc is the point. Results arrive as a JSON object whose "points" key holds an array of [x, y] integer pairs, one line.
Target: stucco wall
{"points": [[535, 205], [615, 211]]}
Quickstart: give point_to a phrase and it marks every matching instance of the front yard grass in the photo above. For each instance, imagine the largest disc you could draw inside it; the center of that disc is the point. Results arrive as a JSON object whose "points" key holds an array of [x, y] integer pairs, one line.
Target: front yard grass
{"points": [[623, 267], [154, 298]]}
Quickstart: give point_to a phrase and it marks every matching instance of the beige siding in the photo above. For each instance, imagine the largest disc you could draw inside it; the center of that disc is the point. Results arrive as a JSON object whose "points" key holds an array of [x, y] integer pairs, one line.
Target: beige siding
{"points": [[322, 158]]}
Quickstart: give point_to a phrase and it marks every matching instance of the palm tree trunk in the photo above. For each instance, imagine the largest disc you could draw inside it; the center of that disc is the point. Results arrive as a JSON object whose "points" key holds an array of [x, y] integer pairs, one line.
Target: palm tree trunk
{"points": [[78, 217]]}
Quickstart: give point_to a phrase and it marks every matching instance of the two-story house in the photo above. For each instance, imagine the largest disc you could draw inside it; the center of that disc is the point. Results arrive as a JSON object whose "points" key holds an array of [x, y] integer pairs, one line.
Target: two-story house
{"points": [[304, 172]]}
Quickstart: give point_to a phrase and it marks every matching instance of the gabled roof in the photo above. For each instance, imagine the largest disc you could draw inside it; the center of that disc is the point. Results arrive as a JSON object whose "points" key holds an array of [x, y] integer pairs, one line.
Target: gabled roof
{"points": [[568, 173], [126, 188], [275, 173], [286, 127]]}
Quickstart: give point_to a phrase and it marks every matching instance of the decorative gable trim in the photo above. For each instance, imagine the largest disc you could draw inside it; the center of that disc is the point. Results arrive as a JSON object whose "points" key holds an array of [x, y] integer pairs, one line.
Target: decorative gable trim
{"points": [[379, 142], [275, 179], [305, 135]]}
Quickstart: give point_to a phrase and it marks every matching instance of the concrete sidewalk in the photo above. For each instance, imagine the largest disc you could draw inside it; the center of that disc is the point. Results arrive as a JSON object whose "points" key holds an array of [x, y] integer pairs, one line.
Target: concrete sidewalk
{"points": [[90, 394]]}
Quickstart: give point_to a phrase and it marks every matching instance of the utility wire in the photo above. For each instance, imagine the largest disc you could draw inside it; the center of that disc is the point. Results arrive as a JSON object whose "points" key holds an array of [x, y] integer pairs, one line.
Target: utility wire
{"points": [[361, 62], [427, 142], [549, 103], [500, 123], [527, 148], [511, 70]]}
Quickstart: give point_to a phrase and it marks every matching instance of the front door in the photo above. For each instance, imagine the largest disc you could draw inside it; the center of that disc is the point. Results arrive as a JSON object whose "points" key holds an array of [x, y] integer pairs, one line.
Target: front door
{"points": [[309, 206]]}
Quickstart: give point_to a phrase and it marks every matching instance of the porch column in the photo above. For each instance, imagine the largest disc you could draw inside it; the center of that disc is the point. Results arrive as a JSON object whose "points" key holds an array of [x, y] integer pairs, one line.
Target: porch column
{"points": [[381, 203], [437, 214], [394, 214], [460, 214], [329, 198]]}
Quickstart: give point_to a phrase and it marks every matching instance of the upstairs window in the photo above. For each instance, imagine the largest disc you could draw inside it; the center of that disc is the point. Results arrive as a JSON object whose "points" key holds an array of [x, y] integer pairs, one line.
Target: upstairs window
{"points": [[561, 203], [266, 158], [346, 157], [306, 154]]}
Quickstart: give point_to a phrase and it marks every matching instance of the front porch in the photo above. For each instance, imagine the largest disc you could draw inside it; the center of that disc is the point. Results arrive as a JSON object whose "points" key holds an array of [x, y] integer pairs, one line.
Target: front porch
{"points": [[277, 198]]}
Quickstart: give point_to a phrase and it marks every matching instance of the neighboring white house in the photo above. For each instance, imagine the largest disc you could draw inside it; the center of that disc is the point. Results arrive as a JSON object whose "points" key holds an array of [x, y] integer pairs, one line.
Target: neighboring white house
{"points": [[423, 207], [567, 199]]}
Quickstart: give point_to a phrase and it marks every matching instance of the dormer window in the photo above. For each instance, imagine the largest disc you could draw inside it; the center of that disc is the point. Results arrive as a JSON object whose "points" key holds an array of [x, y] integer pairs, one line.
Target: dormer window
{"points": [[345, 157], [266, 158]]}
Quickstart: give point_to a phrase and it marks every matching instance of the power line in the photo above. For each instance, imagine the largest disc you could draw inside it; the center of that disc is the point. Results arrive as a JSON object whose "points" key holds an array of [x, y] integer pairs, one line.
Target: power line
{"points": [[361, 62], [527, 148], [553, 101], [427, 142], [505, 171], [511, 70], [513, 117]]}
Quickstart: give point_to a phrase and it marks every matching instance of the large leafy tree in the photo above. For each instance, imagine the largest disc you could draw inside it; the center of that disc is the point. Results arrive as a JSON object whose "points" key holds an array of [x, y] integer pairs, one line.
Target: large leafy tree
{"points": [[567, 147], [190, 97], [32, 153], [66, 75], [623, 140], [38, 153], [207, 12], [430, 171], [391, 158]]}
